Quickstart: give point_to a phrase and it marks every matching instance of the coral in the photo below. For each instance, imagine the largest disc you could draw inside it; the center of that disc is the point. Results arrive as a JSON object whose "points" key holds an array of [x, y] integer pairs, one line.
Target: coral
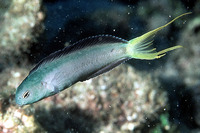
{"points": [[18, 121], [20, 25], [10, 78]]}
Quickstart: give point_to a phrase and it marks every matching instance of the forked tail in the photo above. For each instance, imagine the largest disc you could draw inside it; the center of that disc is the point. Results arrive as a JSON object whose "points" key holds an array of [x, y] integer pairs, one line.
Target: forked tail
{"points": [[140, 47]]}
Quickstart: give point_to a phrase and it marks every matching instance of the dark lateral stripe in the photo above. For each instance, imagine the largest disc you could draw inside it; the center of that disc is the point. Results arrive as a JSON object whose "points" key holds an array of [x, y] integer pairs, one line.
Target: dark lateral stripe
{"points": [[84, 43]]}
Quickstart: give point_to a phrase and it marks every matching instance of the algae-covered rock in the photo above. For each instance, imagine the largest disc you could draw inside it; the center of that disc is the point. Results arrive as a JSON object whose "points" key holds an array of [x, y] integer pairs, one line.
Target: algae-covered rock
{"points": [[121, 100], [16, 120], [10, 78], [20, 25]]}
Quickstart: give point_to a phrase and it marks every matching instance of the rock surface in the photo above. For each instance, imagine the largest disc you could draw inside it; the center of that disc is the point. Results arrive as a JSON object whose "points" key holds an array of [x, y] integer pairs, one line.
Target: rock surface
{"points": [[20, 26]]}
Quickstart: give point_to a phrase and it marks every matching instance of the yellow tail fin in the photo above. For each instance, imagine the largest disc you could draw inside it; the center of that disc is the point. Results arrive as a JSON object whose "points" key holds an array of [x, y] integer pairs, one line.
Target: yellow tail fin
{"points": [[138, 47]]}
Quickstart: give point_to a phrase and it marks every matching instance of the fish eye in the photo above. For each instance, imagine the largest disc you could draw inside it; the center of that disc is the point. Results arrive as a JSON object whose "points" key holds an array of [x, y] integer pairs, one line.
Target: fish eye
{"points": [[26, 94]]}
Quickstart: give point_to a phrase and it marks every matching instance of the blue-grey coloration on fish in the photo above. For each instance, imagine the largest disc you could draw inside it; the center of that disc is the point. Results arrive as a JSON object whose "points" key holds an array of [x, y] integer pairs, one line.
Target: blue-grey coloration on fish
{"points": [[83, 60]]}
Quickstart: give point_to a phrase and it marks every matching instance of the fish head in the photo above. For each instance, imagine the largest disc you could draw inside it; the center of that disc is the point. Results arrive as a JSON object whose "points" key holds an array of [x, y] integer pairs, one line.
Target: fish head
{"points": [[29, 91]]}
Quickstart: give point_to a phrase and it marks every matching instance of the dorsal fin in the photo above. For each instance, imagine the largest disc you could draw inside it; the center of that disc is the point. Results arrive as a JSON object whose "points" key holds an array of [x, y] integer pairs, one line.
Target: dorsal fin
{"points": [[87, 42]]}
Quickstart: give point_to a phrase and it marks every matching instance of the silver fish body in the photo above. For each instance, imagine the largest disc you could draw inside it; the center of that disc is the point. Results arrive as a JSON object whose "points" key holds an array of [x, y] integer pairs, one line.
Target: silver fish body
{"points": [[82, 65], [66, 67]]}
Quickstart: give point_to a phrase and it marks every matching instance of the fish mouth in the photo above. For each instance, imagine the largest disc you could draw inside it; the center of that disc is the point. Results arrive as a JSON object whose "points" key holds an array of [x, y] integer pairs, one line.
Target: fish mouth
{"points": [[18, 101], [19, 104]]}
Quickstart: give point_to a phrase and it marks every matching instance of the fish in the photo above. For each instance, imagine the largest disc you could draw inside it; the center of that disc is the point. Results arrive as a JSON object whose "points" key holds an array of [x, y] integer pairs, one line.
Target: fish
{"points": [[84, 60]]}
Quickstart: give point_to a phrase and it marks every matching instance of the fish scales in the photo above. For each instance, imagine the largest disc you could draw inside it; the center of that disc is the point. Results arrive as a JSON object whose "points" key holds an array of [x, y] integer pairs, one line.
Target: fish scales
{"points": [[78, 66]]}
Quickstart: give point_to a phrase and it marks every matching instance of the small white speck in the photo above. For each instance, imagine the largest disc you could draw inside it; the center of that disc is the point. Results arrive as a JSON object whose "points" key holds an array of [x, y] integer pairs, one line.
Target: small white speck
{"points": [[167, 127], [138, 108], [88, 81], [134, 116], [92, 97], [9, 123], [131, 126], [103, 87], [170, 16], [136, 85], [32, 24], [23, 36], [15, 74], [17, 114], [24, 118], [5, 130], [139, 92], [129, 118], [114, 30]]}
